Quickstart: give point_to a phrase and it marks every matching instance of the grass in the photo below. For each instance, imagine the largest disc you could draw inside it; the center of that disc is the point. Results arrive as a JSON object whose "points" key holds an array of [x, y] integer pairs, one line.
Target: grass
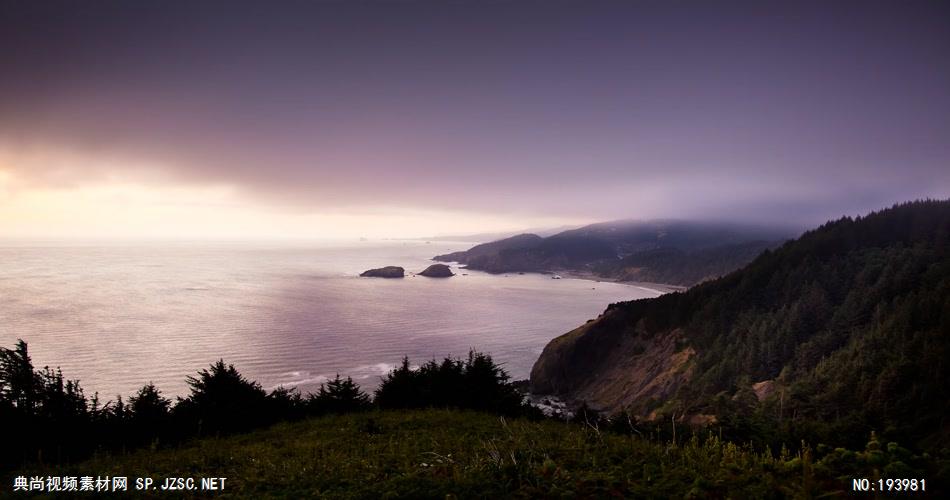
{"points": [[454, 454]]}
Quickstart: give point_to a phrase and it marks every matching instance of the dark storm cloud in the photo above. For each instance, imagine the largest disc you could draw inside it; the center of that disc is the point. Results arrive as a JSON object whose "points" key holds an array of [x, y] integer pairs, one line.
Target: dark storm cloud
{"points": [[595, 109]]}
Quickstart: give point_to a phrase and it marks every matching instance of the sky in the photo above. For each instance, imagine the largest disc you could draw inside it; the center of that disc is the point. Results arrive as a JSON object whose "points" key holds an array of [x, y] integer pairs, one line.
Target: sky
{"points": [[397, 118]]}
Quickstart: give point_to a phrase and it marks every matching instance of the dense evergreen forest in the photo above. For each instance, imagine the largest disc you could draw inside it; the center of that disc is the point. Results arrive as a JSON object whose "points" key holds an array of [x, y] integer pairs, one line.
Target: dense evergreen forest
{"points": [[839, 333], [675, 266], [671, 252]]}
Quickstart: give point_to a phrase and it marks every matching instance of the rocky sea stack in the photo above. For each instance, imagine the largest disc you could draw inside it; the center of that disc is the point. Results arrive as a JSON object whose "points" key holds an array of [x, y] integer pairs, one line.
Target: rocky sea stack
{"points": [[385, 272], [437, 271]]}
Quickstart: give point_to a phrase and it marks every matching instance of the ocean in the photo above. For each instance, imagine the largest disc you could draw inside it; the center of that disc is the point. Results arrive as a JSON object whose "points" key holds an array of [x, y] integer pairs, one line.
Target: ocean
{"points": [[119, 315]]}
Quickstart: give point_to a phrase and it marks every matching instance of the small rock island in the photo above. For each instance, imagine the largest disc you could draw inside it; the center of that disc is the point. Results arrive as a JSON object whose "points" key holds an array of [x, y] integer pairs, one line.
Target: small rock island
{"points": [[437, 271], [385, 272]]}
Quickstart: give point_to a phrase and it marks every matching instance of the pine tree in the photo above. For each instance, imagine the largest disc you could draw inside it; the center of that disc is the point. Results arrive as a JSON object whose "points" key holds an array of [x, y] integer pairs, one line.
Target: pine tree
{"points": [[339, 396], [18, 381]]}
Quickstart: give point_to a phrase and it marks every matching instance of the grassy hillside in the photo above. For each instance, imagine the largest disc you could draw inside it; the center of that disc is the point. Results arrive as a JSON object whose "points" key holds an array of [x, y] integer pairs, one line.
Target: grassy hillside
{"points": [[448, 454], [843, 331]]}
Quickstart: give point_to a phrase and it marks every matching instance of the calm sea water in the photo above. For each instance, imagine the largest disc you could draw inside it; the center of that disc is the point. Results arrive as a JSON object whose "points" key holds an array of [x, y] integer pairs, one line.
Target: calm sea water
{"points": [[116, 316]]}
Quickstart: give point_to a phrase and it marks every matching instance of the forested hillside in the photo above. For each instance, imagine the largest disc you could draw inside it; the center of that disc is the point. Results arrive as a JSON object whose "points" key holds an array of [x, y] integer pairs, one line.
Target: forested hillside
{"points": [[843, 331], [672, 252]]}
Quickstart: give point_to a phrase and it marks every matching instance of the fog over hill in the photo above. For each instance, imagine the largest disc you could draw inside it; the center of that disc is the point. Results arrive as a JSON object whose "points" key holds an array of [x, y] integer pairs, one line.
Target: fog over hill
{"points": [[664, 251], [833, 335]]}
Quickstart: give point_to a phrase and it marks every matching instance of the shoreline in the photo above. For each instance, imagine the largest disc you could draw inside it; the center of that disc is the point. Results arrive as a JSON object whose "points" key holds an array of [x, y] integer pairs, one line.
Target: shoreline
{"points": [[661, 288]]}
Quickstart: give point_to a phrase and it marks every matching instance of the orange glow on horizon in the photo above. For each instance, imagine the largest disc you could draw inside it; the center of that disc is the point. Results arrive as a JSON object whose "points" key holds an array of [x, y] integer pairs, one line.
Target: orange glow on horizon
{"points": [[121, 207]]}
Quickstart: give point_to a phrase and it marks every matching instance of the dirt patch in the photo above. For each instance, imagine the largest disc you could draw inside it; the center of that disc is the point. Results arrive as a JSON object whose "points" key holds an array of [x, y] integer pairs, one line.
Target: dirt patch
{"points": [[763, 389]]}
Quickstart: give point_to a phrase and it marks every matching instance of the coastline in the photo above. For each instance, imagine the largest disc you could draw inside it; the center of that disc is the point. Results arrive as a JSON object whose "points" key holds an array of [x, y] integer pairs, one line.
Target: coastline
{"points": [[661, 288], [560, 405]]}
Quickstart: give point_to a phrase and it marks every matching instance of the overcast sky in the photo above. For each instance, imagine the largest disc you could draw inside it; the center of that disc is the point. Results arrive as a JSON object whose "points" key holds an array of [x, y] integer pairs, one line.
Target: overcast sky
{"points": [[411, 118]]}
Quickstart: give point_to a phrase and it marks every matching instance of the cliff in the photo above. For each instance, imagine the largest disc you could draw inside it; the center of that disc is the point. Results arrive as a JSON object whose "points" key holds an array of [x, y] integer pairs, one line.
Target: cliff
{"points": [[844, 330], [610, 365]]}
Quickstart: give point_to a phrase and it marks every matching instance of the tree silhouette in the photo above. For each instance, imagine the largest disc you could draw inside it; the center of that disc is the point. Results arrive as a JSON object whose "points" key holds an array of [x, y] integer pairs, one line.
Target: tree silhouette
{"points": [[476, 384], [339, 396], [286, 404], [222, 400], [18, 381], [148, 405]]}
